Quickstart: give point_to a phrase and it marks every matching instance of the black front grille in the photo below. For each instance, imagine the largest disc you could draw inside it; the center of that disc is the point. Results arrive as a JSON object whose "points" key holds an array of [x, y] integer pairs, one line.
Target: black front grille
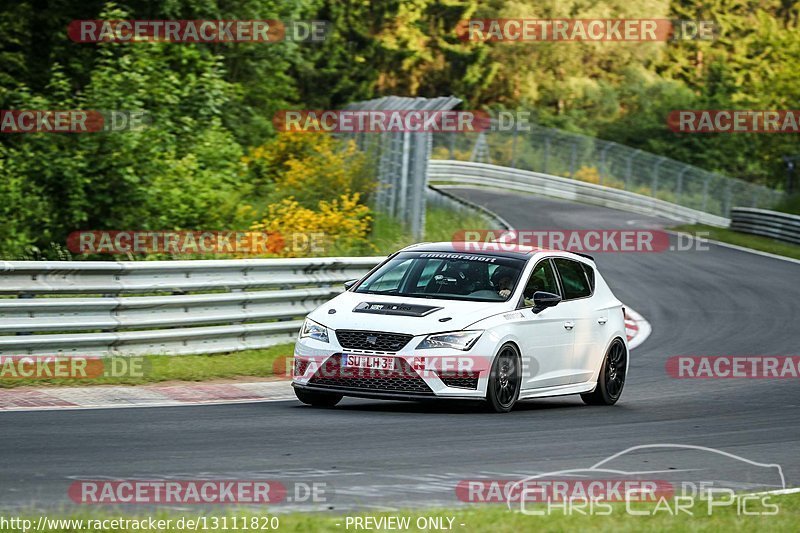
{"points": [[402, 379], [372, 340], [300, 367], [460, 380]]}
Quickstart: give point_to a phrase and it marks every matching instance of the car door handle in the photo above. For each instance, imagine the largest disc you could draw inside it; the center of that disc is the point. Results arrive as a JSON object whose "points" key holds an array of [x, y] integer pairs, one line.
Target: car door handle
{"points": [[569, 325], [602, 320]]}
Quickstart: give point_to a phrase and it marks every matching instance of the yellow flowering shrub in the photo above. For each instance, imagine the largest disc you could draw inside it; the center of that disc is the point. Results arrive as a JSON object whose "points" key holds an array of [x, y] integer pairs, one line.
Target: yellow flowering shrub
{"points": [[592, 175], [336, 226], [587, 174], [310, 167], [313, 188], [443, 152]]}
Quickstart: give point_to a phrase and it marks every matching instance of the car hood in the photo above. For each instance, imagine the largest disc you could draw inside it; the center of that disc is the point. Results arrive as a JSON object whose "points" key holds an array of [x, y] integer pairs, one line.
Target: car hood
{"points": [[417, 316]]}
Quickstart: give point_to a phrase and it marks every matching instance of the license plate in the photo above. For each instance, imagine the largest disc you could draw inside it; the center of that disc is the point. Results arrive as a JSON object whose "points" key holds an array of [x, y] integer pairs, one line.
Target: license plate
{"points": [[369, 361]]}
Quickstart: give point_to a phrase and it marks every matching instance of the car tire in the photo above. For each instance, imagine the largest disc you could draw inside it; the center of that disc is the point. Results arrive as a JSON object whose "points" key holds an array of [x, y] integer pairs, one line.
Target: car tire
{"points": [[611, 379], [317, 399], [505, 380]]}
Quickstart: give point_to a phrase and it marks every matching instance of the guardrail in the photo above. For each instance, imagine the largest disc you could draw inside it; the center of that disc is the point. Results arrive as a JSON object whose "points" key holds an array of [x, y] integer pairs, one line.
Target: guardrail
{"points": [[453, 172], [562, 153], [197, 306], [437, 197], [781, 226]]}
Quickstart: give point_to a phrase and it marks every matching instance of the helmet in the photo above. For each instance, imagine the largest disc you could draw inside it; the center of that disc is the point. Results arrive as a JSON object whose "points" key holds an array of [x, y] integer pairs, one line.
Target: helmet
{"points": [[503, 272]]}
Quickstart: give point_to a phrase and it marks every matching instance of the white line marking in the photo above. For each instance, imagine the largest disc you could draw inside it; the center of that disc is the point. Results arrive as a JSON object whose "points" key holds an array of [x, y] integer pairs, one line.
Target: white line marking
{"points": [[737, 247], [778, 492]]}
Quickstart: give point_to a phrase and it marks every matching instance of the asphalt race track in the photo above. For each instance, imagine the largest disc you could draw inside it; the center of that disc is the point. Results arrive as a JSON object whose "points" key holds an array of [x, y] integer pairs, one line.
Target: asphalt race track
{"points": [[387, 455]]}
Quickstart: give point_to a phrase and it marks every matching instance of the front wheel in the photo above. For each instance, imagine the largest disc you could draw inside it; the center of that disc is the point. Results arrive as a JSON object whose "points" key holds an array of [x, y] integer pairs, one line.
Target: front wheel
{"points": [[317, 399], [611, 378], [504, 380]]}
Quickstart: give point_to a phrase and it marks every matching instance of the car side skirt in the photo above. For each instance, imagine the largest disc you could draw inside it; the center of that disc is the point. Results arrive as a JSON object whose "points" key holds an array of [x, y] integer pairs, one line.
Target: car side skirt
{"points": [[560, 390]]}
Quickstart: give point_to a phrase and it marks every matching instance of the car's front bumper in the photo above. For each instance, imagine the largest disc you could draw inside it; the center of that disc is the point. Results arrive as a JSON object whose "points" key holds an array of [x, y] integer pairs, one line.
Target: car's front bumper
{"points": [[422, 374], [382, 395]]}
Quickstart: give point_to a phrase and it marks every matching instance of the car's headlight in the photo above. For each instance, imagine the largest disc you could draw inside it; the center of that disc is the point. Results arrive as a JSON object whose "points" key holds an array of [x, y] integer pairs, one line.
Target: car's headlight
{"points": [[313, 330], [460, 340]]}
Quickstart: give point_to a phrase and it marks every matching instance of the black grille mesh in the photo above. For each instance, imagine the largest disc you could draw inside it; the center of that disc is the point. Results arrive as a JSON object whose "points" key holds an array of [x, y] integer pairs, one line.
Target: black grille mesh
{"points": [[460, 380], [372, 340], [403, 379], [300, 367]]}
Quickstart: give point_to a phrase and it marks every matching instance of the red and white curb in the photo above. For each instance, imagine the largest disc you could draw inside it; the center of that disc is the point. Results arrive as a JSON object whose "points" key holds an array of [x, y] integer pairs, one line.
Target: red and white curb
{"points": [[637, 328], [116, 397], [108, 397]]}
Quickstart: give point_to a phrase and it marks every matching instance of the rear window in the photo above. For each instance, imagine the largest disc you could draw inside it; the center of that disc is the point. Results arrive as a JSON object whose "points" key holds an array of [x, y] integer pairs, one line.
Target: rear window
{"points": [[573, 279], [589, 275]]}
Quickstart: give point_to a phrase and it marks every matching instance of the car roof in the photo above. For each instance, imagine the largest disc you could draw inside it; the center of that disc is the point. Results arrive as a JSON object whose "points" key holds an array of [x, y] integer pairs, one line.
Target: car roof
{"points": [[510, 250]]}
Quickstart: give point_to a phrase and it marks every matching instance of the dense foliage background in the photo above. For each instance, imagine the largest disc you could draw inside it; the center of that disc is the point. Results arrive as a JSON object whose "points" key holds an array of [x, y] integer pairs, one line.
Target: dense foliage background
{"points": [[212, 159]]}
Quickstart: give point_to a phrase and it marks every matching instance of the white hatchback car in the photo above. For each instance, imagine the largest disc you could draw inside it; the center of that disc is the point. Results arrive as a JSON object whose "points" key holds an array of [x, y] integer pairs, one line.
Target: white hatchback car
{"points": [[435, 320]]}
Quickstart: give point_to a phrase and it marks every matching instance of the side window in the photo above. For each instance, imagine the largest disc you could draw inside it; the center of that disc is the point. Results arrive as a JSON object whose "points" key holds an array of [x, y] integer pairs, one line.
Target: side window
{"points": [[542, 279], [573, 279]]}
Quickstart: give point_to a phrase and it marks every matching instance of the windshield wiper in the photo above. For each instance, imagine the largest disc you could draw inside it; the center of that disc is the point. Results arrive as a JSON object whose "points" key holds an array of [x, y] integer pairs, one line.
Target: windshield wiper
{"points": [[388, 291]]}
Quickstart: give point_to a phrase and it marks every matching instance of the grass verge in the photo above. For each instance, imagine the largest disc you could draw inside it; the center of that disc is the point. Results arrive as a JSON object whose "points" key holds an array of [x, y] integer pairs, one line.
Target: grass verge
{"points": [[440, 224], [764, 244], [158, 368], [494, 518]]}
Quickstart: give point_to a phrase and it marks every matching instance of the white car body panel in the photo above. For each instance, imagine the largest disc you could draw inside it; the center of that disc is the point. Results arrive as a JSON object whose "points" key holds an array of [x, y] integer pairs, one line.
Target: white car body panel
{"points": [[555, 360]]}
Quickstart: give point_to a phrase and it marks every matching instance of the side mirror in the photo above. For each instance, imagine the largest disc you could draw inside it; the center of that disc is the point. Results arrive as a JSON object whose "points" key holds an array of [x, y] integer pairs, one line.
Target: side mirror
{"points": [[349, 283], [542, 300]]}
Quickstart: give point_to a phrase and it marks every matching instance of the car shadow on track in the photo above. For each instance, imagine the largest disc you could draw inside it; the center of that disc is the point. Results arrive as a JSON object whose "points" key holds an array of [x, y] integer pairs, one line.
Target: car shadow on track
{"points": [[448, 407]]}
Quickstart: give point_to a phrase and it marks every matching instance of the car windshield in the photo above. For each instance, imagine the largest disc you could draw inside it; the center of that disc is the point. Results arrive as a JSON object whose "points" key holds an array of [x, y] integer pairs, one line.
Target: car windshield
{"points": [[444, 275]]}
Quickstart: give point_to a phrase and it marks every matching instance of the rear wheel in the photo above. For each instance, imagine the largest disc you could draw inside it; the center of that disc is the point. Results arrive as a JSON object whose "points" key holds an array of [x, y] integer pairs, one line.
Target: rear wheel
{"points": [[612, 376], [317, 399], [504, 380]]}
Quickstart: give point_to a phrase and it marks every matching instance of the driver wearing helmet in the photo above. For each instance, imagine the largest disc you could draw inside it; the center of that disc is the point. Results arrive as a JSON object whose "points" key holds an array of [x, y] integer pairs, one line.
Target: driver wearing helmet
{"points": [[503, 280]]}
